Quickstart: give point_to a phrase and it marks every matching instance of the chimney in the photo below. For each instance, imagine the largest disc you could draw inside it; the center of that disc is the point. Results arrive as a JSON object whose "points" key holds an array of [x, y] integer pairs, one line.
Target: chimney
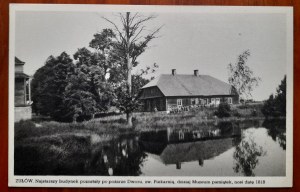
{"points": [[196, 72], [173, 71]]}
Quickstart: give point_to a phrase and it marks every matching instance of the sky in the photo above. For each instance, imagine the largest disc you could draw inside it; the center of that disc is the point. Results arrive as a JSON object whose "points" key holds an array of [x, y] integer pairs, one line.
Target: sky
{"points": [[187, 41]]}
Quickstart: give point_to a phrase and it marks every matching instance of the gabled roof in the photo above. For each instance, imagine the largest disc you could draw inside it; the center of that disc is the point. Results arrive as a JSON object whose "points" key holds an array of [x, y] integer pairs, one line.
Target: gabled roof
{"points": [[190, 85], [18, 61]]}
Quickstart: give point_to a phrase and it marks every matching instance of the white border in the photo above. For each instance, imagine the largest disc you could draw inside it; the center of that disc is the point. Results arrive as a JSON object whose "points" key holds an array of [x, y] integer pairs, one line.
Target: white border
{"points": [[286, 181]]}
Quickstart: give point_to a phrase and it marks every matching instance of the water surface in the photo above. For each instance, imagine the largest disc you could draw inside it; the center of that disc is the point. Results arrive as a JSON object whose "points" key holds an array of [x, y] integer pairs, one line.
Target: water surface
{"points": [[249, 148]]}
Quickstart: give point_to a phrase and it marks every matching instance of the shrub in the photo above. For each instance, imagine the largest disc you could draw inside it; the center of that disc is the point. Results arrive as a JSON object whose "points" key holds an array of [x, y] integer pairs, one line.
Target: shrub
{"points": [[235, 113], [223, 110], [254, 113]]}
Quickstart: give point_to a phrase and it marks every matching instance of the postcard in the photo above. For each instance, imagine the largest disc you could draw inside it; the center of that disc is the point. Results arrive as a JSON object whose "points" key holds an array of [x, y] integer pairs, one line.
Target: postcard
{"points": [[150, 96]]}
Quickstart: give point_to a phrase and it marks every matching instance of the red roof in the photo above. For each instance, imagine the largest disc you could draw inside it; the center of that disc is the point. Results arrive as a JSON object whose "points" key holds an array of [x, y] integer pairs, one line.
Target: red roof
{"points": [[190, 85]]}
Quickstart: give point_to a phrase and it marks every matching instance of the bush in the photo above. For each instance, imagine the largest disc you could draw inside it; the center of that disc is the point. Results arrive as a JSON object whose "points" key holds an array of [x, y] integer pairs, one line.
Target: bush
{"points": [[235, 113], [223, 110], [254, 113]]}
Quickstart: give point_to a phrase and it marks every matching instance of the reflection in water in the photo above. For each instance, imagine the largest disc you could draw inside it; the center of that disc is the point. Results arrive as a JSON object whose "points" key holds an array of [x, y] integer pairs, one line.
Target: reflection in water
{"points": [[120, 156], [224, 149], [276, 129], [176, 146], [246, 155]]}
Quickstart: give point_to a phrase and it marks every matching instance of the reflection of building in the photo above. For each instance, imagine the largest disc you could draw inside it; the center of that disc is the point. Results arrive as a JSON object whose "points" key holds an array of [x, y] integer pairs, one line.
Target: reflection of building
{"points": [[205, 132], [192, 151], [172, 91], [22, 92], [178, 146]]}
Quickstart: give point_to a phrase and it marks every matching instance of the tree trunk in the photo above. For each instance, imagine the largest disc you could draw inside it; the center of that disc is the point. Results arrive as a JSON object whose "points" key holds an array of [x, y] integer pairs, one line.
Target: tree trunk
{"points": [[129, 114], [129, 118], [75, 118], [129, 68]]}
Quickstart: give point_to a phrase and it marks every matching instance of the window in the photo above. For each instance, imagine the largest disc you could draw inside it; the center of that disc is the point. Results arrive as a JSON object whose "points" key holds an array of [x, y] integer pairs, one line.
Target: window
{"points": [[213, 100], [197, 101], [205, 101], [229, 100], [193, 101], [148, 105], [179, 102]]}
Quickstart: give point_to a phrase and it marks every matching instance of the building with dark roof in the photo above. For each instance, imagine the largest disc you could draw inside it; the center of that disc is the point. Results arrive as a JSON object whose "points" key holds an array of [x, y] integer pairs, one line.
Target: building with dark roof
{"points": [[173, 90], [22, 92]]}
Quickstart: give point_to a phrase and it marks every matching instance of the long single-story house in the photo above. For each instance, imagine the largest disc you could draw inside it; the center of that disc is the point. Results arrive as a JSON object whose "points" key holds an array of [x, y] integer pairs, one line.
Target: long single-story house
{"points": [[169, 91]]}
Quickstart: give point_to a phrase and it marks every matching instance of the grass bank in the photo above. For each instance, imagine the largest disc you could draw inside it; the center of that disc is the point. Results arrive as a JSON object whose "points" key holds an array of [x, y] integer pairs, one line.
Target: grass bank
{"points": [[116, 124]]}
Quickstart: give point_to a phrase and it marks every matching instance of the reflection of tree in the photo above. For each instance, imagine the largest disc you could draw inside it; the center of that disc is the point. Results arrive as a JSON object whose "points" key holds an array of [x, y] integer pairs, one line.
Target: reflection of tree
{"points": [[276, 129], [246, 155], [120, 156]]}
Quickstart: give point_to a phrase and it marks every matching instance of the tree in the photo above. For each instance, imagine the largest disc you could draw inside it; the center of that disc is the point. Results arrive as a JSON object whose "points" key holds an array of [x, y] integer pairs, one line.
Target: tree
{"points": [[131, 42], [79, 100], [88, 91], [92, 67], [281, 97], [98, 78], [49, 84], [275, 106], [241, 77]]}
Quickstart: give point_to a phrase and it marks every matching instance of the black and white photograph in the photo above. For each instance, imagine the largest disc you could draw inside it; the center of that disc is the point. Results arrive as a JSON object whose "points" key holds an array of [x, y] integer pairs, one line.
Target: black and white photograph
{"points": [[150, 96]]}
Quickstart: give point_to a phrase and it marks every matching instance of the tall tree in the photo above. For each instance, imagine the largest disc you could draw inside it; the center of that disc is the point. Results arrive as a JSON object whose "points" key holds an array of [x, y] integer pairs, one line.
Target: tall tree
{"points": [[132, 39], [93, 67], [49, 84], [275, 106], [241, 77]]}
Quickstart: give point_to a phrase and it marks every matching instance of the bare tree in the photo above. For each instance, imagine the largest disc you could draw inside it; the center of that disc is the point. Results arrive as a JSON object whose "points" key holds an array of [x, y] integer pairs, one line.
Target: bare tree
{"points": [[132, 39]]}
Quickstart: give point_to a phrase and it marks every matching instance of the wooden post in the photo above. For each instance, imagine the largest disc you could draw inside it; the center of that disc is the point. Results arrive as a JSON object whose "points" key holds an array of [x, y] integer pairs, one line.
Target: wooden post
{"points": [[166, 104], [24, 79], [29, 90]]}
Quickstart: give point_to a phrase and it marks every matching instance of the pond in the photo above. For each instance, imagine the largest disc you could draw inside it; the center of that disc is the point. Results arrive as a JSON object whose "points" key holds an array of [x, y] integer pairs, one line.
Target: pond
{"points": [[247, 148]]}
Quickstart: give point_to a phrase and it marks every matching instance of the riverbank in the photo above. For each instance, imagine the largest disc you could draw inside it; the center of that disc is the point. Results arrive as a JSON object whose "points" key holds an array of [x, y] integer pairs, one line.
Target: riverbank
{"points": [[116, 124], [48, 147]]}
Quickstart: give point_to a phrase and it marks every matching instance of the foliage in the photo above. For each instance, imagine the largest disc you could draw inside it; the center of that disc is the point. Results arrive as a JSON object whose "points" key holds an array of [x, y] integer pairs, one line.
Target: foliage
{"points": [[241, 77], [275, 106], [49, 84], [224, 110], [89, 84], [95, 81]]}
